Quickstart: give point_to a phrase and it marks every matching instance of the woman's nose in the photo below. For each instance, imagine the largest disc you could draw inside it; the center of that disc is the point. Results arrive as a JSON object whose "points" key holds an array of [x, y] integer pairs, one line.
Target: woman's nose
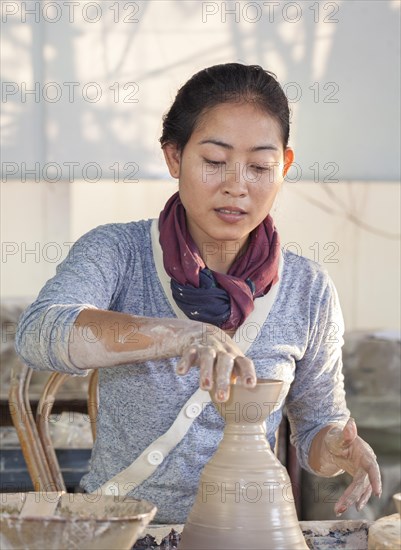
{"points": [[233, 180]]}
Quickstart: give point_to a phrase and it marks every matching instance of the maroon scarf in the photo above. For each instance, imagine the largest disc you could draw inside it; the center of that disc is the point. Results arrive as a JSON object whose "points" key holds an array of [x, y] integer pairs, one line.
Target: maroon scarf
{"points": [[224, 300]]}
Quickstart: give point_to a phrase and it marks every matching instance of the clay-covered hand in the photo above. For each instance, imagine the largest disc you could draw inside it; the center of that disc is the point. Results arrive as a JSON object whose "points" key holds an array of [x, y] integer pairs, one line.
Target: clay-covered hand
{"points": [[102, 338], [220, 361], [346, 450]]}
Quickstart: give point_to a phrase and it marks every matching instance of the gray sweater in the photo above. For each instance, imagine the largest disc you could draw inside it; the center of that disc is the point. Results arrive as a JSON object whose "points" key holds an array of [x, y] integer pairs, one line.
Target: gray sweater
{"points": [[113, 267]]}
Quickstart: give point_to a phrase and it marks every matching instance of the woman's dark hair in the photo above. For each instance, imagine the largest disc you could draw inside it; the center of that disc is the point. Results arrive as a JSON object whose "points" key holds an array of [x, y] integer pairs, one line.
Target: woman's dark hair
{"points": [[229, 82]]}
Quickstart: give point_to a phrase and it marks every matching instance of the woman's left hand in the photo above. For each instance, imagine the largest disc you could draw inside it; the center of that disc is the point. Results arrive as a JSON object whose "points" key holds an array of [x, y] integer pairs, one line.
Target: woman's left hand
{"points": [[345, 449]]}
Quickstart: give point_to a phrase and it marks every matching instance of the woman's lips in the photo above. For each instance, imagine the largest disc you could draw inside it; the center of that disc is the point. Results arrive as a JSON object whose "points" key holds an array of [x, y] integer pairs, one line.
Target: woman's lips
{"points": [[230, 215]]}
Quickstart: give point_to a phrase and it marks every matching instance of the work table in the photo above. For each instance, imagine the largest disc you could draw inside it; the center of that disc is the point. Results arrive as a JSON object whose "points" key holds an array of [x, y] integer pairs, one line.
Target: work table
{"points": [[319, 535]]}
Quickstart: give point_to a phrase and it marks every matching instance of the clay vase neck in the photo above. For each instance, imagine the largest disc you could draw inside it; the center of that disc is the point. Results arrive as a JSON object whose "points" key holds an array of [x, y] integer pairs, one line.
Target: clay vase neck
{"points": [[245, 498]]}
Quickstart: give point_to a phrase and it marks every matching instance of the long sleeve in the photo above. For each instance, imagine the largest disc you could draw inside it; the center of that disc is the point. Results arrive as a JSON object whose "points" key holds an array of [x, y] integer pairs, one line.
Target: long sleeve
{"points": [[88, 277], [317, 396]]}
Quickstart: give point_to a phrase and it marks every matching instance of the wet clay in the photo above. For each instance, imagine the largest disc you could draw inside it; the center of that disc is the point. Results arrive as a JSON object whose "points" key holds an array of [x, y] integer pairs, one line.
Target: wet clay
{"points": [[245, 498]]}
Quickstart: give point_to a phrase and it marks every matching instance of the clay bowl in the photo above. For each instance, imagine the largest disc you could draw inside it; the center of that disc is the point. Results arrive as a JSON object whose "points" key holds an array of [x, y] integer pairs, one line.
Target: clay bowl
{"points": [[397, 502], [80, 521]]}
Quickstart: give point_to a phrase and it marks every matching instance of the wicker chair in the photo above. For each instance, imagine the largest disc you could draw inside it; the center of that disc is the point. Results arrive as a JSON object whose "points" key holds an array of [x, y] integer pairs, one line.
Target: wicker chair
{"points": [[33, 433]]}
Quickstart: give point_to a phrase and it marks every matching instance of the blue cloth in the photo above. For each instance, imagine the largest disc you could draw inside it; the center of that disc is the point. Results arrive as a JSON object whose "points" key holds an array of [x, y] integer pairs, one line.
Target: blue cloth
{"points": [[209, 303]]}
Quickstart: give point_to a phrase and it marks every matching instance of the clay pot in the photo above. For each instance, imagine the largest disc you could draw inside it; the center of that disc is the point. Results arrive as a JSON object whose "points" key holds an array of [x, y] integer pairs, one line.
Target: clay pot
{"points": [[74, 520], [245, 498]]}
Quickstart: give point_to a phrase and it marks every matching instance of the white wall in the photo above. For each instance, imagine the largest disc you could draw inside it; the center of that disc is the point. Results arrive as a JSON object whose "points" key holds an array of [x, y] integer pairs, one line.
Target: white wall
{"points": [[338, 62]]}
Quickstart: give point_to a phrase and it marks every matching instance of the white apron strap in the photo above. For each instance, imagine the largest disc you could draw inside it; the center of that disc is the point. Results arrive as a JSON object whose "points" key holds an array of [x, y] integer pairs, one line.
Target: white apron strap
{"points": [[148, 461]]}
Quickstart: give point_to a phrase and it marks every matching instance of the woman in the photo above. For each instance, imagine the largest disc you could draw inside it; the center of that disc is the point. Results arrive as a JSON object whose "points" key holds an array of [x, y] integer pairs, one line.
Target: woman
{"points": [[206, 286]]}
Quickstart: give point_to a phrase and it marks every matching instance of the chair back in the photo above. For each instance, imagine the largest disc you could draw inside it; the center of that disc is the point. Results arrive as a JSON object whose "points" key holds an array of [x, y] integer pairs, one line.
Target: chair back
{"points": [[34, 433]]}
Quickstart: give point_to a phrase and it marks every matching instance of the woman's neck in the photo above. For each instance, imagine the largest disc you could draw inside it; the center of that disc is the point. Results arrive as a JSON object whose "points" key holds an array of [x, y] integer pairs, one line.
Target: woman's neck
{"points": [[220, 256]]}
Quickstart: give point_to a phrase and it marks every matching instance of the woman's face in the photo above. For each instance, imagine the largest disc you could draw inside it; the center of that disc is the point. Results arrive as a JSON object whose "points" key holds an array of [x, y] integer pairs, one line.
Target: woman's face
{"points": [[229, 172]]}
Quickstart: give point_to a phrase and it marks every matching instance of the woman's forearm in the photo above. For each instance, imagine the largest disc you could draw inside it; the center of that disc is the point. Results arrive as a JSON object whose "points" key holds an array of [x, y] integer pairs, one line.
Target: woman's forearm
{"points": [[101, 338]]}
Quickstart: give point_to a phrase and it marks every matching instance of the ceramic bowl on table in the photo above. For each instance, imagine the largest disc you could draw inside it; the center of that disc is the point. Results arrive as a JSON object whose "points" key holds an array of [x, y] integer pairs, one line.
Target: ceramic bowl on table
{"points": [[79, 521]]}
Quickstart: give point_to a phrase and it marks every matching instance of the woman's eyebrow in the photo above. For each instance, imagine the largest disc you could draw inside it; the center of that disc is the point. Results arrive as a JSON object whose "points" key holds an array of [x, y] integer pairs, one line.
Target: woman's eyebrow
{"points": [[268, 147]]}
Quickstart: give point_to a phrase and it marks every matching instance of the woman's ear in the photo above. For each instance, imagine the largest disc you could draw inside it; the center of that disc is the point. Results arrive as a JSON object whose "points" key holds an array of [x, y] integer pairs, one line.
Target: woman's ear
{"points": [[288, 160], [172, 156]]}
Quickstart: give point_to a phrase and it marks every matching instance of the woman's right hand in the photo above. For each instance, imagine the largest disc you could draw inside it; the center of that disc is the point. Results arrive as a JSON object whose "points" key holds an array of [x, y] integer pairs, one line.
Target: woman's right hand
{"points": [[103, 338], [220, 361]]}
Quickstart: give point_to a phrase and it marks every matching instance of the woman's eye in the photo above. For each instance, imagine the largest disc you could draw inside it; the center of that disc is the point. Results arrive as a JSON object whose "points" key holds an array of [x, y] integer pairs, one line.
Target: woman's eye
{"points": [[213, 162], [255, 167], [260, 168]]}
